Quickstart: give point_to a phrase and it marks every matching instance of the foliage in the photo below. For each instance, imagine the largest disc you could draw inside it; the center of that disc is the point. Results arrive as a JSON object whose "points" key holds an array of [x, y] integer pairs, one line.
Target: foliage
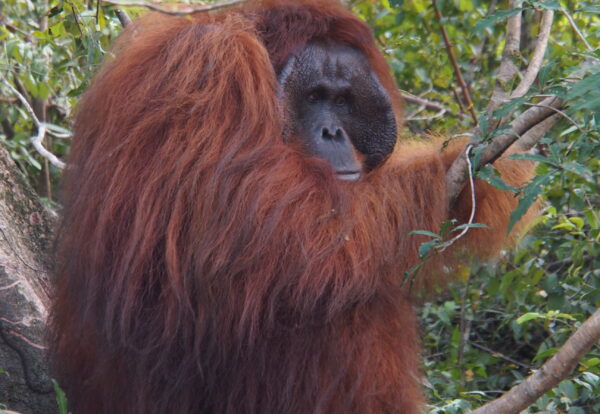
{"points": [[490, 329], [49, 51], [497, 322]]}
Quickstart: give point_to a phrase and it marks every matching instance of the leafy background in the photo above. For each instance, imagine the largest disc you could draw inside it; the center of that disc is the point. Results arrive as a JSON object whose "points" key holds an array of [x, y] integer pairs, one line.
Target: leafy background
{"points": [[496, 322]]}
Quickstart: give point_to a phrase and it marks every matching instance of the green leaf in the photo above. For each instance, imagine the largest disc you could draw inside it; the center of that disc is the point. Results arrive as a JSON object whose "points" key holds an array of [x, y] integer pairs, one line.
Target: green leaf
{"points": [[589, 9], [529, 195], [578, 221], [546, 5], [58, 29], [61, 398], [509, 107], [491, 176], [528, 316], [101, 19], [592, 362], [495, 18], [465, 5], [425, 233], [54, 11], [584, 86], [530, 157], [424, 249], [470, 226], [564, 225], [545, 354]]}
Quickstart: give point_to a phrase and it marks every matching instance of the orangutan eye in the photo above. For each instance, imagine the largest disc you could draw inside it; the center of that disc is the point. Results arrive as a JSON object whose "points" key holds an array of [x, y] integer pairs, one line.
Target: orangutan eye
{"points": [[340, 100], [314, 97]]}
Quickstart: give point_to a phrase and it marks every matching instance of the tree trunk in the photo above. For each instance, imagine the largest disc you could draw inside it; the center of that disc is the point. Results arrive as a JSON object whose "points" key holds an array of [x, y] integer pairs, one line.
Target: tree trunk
{"points": [[25, 240]]}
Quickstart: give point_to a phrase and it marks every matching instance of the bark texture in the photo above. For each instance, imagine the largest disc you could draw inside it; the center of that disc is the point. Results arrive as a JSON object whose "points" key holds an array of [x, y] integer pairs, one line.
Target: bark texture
{"points": [[25, 239]]}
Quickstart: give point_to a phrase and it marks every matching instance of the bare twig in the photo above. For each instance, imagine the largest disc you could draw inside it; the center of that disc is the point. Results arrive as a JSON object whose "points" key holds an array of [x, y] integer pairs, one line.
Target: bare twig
{"points": [[427, 104], [499, 355], [550, 374], [457, 72], [576, 29], [535, 63], [36, 140], [123, 17], [413, 116], [174, 9], [436, 106], [14, 29], [76, 18]]}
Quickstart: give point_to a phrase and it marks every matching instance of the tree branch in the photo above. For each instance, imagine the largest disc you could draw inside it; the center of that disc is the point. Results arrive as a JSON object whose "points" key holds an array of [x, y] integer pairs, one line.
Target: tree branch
{"points": [[576, 29], [535, 63], [174, 9], [523, 124], [436, 106], [508, 69], [550, 374], [36, 140], [123, 17], [534, 134], [426, 104], [528, 120]]}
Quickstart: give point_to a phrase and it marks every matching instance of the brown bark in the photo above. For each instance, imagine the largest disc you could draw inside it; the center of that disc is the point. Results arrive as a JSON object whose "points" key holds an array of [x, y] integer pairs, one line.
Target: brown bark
{"points": [[550, 374], [25, 238]]}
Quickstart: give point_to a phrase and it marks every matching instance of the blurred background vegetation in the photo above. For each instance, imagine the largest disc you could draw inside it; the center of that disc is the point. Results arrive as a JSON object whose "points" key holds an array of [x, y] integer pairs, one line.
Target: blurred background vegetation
{"points": [[490, 328]]}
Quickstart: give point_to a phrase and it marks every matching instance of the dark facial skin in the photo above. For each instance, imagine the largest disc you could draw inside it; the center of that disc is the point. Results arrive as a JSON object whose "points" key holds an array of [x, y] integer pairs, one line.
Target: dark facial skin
{"points": [[339, 111]]}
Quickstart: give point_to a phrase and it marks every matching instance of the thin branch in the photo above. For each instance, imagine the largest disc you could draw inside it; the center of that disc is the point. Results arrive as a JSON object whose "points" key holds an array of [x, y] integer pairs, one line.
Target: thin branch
{"points": [[14, 29], [36, 141], [529, 140], [519, 126], [561, 113], [457, 72], [413, 116], [174, 9], [455, 177], [508, 69], [535, 63], [436, 106], [12, 285], [550, 374], [460, 104], [76, 18], [123, 17], [499, 355], [467, 157], [576, 29], [426, 104]]}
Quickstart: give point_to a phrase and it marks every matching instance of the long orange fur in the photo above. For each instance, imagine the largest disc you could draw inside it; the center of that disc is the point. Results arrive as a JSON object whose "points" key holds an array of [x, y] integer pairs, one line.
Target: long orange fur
{"points": [[207, 267]]}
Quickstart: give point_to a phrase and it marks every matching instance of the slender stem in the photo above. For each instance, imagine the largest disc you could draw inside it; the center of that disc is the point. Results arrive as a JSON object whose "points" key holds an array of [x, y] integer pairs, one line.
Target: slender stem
{"points": [[576, 29], [457, 72], [181, 10]]}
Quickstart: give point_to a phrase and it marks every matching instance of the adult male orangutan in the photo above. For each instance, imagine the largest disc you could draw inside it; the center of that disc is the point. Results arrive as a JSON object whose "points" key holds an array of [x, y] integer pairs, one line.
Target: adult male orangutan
{"points": [[237, 216]]}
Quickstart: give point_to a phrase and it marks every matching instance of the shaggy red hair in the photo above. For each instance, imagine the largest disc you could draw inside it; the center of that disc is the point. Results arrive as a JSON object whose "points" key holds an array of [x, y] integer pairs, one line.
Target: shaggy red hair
{"points": [[207, 267]]}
